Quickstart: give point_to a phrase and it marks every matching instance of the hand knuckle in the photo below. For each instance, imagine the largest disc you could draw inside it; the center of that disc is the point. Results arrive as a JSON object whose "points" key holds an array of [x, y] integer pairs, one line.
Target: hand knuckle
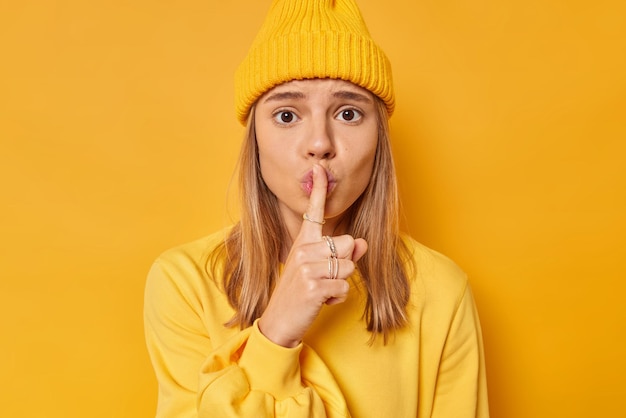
{"points": [[350, 267], [299, 255], [312, 286], [345, 286], [305, 270]]}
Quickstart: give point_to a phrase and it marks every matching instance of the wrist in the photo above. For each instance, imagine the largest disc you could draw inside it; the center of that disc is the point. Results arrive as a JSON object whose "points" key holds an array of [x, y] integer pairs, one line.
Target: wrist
{"points": [[271, 333]]}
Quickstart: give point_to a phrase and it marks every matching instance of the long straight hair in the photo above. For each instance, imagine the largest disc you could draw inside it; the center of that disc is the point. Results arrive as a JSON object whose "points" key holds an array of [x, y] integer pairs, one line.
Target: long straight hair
{"points": [[250, 253]]}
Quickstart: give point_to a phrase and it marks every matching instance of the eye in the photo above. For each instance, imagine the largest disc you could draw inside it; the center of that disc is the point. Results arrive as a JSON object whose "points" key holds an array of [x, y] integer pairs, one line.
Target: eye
{"points": [[349, 115], [285, 117]]}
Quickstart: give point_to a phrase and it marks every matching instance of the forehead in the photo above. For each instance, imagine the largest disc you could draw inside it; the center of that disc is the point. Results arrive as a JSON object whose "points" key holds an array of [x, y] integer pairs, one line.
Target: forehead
{"points": [[317, 86]]}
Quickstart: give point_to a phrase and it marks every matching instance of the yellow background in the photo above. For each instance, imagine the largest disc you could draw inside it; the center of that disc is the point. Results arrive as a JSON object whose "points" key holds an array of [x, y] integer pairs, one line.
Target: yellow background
{"points": [[118, 140]]}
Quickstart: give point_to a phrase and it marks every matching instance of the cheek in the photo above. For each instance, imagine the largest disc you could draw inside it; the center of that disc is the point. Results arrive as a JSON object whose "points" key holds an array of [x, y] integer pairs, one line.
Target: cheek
{"points": [[272, 143], [363, 160], [365, 170], [274, 163], [359, 167], [267, 164], [268, 150]]}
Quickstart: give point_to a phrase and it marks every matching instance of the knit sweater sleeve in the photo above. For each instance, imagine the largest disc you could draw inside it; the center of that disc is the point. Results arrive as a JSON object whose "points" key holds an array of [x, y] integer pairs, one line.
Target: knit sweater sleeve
{"points": [[461, 388], [247, 375]]}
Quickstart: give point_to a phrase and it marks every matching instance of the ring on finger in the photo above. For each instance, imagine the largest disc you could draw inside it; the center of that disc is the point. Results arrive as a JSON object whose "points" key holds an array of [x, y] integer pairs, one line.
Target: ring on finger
{"points": [[331, 245], [333, 267], [306, 217]]}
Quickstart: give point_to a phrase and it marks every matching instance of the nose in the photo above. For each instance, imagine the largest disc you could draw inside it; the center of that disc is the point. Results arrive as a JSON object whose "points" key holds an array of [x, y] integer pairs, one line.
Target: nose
{"points": [[320, 143]]}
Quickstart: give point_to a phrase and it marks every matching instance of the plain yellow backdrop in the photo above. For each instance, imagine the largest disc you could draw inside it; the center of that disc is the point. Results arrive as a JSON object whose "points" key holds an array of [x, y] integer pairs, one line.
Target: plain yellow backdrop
{"points": [[118, 140]]}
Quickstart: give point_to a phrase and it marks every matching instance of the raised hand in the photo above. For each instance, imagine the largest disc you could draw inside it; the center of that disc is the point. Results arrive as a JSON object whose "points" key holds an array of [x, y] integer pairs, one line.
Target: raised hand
{"points": [[307, 281]]}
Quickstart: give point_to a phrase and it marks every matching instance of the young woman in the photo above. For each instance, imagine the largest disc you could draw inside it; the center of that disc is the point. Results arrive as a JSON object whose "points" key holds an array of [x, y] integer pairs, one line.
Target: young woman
{"points": [[314, 304]]}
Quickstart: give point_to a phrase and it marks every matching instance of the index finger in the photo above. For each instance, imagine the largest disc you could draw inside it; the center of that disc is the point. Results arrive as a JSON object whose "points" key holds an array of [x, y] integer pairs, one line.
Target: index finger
{"points": [[317, 202]]}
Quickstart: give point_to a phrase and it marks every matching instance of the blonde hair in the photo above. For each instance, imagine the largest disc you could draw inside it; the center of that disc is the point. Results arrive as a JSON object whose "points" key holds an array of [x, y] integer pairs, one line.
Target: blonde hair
{"points": [[250, 254]]}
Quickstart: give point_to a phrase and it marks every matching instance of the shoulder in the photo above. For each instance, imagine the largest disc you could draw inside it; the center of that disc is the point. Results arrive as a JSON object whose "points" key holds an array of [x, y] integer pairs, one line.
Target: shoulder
{"points": [[186, 266], [181, 298], [436, 279], [193, 253]]}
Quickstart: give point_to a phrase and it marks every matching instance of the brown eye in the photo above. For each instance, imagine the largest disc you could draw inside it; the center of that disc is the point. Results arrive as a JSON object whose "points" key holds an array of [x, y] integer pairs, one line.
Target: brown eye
{"points": [[286, 117], [349, 115]]}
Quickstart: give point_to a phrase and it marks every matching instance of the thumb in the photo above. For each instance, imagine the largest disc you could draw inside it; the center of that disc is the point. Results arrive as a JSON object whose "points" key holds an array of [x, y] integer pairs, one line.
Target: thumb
{"points": [[360, 248]]}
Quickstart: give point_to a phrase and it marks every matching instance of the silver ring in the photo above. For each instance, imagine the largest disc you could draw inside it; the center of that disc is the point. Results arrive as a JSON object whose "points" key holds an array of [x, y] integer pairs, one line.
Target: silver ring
{"points": [[331, 245], [306, 217]]}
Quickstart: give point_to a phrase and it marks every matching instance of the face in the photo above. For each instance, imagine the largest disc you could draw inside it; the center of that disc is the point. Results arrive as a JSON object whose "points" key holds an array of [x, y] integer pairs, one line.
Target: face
{"points": [[332, 123]]}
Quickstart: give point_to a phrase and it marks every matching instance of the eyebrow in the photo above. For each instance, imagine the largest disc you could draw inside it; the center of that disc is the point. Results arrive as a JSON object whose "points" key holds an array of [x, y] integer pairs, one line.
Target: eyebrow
{"points": [[285, 95], [351, 95]]}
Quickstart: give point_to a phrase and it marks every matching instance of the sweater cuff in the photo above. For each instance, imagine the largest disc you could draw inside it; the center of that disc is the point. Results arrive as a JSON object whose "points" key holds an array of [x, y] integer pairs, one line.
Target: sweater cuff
{"points": [[270, 367]]}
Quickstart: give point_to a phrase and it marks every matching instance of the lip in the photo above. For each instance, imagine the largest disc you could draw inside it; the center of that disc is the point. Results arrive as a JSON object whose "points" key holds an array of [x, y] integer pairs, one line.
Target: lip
{"points": [[307, 182]]}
